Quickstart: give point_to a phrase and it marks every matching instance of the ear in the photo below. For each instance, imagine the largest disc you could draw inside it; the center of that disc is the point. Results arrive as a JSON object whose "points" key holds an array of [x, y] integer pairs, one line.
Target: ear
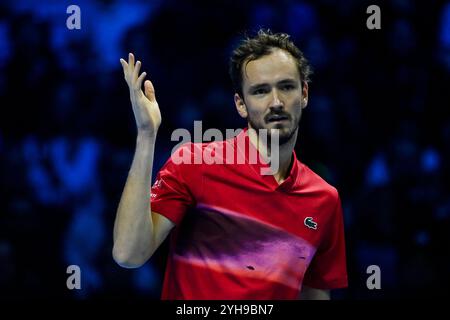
{"points": [[304, 94], [240, 106]]}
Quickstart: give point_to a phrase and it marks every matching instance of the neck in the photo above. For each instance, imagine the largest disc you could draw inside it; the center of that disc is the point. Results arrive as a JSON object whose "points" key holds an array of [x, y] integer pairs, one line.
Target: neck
{"points": [[285, 153]]}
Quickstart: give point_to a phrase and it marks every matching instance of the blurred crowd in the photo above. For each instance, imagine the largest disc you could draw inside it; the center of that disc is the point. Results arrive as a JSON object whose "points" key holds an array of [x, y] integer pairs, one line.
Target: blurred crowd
{"points": [[376, 127]]}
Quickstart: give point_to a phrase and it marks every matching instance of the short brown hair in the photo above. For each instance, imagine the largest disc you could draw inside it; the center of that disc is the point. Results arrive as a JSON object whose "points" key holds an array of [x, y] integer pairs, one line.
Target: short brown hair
{"points": [[252, 48]]}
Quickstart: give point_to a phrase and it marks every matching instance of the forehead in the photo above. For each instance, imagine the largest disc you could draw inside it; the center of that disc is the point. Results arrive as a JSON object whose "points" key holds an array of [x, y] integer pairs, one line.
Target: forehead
{"points": [[274, 67]]}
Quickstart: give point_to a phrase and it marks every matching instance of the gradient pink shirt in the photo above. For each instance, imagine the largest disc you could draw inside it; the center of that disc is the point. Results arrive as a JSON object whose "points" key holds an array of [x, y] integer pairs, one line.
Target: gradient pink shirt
{"points": [[241, 235]]}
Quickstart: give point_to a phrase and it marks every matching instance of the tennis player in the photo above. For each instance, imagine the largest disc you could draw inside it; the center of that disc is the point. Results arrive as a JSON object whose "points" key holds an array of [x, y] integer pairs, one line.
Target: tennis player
{"points": [[234, 232]]}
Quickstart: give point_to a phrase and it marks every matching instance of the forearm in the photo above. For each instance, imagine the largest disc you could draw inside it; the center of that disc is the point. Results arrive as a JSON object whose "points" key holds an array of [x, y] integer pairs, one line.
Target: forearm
{"points": [[133, 227]]}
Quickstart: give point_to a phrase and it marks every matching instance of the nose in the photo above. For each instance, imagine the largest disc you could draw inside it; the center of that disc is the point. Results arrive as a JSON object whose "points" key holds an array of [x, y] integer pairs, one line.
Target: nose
{"points": [[275, 102]]}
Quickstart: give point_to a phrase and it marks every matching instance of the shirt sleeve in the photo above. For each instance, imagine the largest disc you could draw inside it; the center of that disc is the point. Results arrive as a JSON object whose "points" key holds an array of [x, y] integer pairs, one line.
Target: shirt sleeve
{"points": [[173, 191], [328, 268]]}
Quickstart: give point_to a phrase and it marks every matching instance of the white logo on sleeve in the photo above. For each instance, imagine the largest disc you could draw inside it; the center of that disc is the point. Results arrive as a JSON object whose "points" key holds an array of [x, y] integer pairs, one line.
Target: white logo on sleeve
{"points": [[157, 183]]}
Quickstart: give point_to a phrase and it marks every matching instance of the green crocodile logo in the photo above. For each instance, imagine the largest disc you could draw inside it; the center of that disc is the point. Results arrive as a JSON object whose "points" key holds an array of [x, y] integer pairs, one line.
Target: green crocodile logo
{"points": [[310, 223]]}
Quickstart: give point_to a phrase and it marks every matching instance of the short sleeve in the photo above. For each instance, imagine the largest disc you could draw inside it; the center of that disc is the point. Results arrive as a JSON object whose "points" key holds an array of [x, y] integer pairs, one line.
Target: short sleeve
{"points": [[173, 191], [328, 268]]}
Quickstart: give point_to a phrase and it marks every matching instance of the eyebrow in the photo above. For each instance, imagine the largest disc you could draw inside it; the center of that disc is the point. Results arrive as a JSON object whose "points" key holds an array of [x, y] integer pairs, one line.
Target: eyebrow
{"points": [[262, 85]]}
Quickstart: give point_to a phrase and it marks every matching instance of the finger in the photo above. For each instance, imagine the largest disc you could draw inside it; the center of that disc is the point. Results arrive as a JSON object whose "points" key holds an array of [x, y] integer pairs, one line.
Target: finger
{"points": [[123, 63], [136, 70], [131, 61], [124, 66], [139, 80], [149, 90]]}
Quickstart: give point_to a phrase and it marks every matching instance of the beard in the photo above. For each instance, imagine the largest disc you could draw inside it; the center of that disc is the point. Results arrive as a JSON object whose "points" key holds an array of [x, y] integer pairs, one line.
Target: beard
{"points": [[285, 131]]}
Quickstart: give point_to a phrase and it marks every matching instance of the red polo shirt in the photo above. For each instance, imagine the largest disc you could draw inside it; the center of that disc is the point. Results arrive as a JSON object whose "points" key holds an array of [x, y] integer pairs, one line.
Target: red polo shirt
{"points": [[240, 234]]}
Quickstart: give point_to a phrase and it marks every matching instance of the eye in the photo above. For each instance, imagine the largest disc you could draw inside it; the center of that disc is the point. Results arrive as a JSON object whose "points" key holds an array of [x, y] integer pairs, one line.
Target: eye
{"points": [[260, 91], [288, 87]]}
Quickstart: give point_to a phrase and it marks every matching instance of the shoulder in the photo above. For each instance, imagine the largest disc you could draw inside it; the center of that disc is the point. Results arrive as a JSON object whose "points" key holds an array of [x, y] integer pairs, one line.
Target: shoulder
{"points": [[312, 182], [182, 161]]}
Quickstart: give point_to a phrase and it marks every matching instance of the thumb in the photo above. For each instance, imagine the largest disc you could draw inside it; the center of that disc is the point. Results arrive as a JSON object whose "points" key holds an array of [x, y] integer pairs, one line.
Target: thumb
{"points": [[149, 90]]}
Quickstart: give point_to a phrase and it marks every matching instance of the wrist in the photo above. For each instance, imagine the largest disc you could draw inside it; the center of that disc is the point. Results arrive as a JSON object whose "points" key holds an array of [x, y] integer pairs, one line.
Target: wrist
{"points": [[147, 134]]}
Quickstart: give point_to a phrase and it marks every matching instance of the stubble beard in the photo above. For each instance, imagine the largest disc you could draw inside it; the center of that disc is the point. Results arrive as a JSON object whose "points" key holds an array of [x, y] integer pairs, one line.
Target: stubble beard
{"points": [[284, 137]]}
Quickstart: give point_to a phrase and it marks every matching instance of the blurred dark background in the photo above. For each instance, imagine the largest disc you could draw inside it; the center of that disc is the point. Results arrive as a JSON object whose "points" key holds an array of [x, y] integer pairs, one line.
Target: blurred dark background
{"points": [[377, 128]]}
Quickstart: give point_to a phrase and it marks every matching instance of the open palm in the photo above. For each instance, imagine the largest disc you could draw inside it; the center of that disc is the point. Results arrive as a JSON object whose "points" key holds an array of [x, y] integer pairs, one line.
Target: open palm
{"points": [[145, 108]]}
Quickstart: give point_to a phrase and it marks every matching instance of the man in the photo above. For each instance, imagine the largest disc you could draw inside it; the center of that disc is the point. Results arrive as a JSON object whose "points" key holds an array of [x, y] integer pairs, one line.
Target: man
{"points": [[237, 234]]}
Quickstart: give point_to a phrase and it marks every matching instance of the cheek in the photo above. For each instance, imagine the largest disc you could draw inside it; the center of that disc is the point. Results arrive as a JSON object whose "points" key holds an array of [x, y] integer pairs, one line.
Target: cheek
{"points": [[297, 106], [255, 115], [255, 109]]}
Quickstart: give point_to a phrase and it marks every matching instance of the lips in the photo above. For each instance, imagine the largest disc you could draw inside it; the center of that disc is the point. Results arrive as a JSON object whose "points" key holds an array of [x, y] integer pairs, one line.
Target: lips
{"points": [[275, 118]]}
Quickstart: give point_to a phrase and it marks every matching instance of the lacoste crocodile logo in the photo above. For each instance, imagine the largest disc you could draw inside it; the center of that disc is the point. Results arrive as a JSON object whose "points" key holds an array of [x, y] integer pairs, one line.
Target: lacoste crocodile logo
{"points": [[310, 223]]}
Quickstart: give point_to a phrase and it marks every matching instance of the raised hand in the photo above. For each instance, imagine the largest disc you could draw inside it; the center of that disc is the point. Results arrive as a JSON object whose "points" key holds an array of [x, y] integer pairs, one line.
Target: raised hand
{"points": [[145, 108]]}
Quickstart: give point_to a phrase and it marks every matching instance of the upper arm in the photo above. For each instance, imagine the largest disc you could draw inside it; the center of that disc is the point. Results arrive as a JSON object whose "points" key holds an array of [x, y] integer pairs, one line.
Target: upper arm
{"points": [[308, 293], [161, 228], [175, 189]]}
